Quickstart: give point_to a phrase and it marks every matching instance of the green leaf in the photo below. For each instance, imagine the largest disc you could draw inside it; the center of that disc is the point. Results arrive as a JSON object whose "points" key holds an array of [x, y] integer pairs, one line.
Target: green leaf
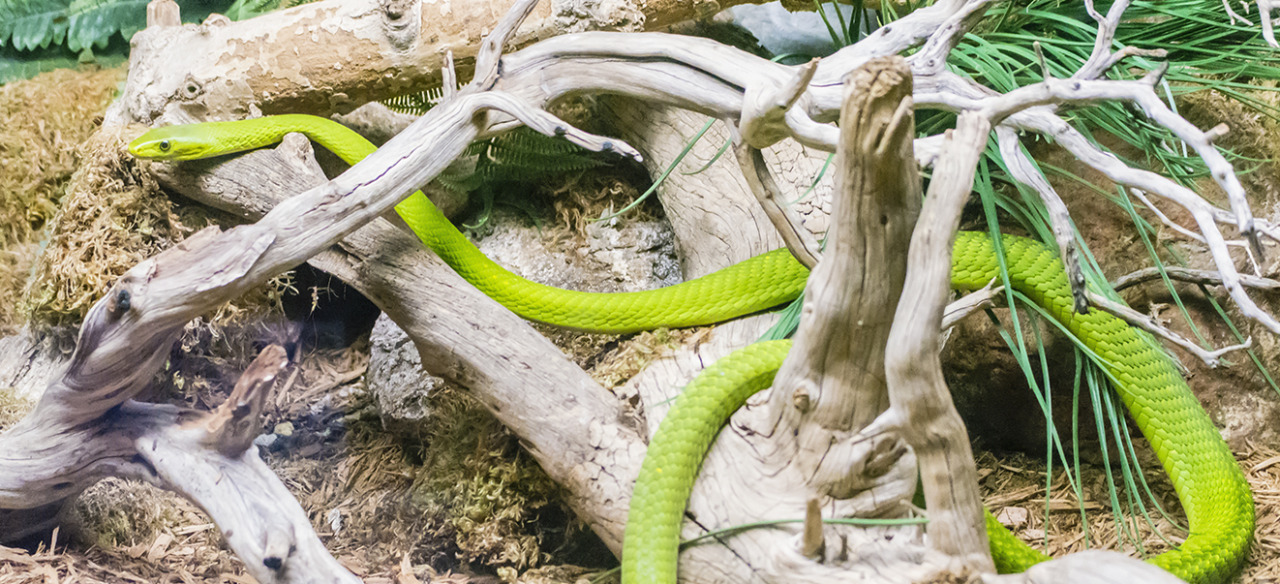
{"points": [[29, 25], [92, 22]]}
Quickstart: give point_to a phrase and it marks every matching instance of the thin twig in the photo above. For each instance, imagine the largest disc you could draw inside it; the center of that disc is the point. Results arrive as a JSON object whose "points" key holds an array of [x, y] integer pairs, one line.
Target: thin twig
{"points": [[1233, 15], [1149, 324], [1146, 202], [449, 77], [1101, 58], [798, 239], [489, 57], [1265, 7], [1194, 276], [986, 297], [1024, 171]]}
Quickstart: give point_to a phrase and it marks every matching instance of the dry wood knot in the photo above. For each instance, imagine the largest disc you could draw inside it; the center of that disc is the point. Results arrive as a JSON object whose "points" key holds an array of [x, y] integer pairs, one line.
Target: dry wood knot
{"points": [[401, 26], [802, 397], [191, 88], [119, 303]]}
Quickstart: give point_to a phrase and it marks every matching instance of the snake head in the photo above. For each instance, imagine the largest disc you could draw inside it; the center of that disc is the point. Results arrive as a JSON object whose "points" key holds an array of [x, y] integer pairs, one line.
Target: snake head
{"points": [[171, 143]]}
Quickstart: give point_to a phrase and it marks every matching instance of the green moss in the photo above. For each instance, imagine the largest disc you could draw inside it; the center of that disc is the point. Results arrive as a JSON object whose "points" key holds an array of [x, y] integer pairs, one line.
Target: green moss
{"points": [[12, 407], [116, 512], [478, 481], [45, 120]]}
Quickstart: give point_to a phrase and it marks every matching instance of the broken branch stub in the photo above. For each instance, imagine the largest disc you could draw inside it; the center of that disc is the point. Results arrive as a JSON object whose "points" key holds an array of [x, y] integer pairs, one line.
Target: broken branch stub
{"points": [[920, 401], [232, 426], [836, 365]]}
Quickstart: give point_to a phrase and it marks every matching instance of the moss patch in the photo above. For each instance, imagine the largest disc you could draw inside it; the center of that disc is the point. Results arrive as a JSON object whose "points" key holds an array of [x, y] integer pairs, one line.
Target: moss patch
{"points": [[485, 491], [120, 513], [12, 407], [112, 217], [45, 119]]}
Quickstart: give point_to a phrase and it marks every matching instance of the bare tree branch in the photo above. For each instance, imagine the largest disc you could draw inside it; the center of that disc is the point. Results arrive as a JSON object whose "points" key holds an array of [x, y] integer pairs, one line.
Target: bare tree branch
{"points": [[918, 394], [1189, 275]]}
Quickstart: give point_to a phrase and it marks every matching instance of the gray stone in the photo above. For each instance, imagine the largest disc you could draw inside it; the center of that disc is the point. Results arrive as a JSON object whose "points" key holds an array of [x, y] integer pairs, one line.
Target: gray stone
{"points": [[396, 380]]}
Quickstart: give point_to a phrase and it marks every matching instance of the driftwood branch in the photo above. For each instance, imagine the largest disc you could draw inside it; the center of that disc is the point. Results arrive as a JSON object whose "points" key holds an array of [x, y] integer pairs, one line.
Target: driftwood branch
{"points": [[1151, 325], [576, 433], [919, 397], [832, 385], [68, 442], [462, 335], [205, 456], [1095, 566], [1191, 275], [801, 243], [336, 56]]}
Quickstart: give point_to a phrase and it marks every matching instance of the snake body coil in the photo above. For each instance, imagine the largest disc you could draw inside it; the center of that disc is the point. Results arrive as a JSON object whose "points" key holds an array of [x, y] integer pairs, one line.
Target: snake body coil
{"points": [[1209, 483]]}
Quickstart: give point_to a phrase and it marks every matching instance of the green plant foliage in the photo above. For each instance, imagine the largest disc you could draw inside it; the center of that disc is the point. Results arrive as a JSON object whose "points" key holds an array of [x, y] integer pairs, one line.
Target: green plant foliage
{"points": [[40, 35], [526, 155], [15, 65], [243, 9], [1205, 51], [521, 155], [414, 104], [92, 22], [27, 25]]}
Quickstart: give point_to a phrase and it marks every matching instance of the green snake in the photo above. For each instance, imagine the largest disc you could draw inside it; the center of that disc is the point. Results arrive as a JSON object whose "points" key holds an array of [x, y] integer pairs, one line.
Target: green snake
{"points": [[1208, 481]]}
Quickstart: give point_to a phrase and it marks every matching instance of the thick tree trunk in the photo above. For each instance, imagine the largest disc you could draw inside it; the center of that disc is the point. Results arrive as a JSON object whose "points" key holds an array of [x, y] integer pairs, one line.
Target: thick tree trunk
{"points": [[333, 56]]}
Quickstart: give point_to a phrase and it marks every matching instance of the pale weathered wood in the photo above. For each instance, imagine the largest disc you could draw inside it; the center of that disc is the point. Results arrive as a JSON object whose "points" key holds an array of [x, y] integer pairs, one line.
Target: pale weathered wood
{"points": [[230, 428], [832, 385], [330, 57], [804, 247], [918, 394], [717, 222], [462, 335], [66, 443], [1094, 566], [203, 455]]}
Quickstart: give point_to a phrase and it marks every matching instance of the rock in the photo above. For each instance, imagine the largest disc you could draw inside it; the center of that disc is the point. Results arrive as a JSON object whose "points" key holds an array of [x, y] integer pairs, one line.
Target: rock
{"points": [[396, 380], [782, 31], [266, 441], [618, 255]]}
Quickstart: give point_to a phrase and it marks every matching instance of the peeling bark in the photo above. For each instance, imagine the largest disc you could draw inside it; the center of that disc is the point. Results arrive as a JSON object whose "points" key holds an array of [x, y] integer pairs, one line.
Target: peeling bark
{"points": [[331, 57]]}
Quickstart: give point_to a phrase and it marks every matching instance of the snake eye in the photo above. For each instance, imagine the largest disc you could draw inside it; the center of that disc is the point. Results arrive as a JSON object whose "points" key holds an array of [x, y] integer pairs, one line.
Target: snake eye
{"points": [[165, 145]]}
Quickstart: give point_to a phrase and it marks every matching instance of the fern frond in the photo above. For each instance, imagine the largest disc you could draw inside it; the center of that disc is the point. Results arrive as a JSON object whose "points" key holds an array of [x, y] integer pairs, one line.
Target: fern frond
{"points": [[28, 25], [245, 9], [35, 25], [14, 67], [414, 104], [92, 22], [524, 154]]}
